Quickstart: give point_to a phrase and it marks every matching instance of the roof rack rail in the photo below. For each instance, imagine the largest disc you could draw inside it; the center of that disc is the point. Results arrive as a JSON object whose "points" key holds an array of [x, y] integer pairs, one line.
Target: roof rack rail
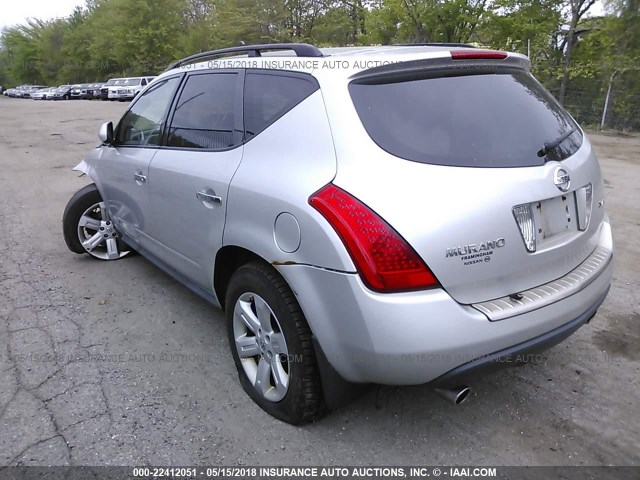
{"points": [[300, 49], [435, 44]]}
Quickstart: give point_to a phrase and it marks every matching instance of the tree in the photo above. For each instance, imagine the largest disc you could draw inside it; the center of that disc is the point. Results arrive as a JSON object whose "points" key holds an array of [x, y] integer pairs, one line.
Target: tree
{"points": [[577, 10], [574, 55], [428, 20], [526, 26]]}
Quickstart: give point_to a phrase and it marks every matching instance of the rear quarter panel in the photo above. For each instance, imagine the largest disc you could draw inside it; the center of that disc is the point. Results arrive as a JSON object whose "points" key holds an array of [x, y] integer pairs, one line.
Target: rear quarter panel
{"points": [[280, 169]]}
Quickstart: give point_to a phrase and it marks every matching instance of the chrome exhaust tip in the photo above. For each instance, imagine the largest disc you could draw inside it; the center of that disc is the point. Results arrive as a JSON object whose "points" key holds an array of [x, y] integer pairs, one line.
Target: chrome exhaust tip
{"points": [[455, 395]]}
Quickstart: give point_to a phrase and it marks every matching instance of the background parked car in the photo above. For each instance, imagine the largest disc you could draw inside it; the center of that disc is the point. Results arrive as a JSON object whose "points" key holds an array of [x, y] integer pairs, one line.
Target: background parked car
{"points": [[63, 92], [27, 92], [42, 93], [113, 89], [93, 90], [78, 91], [129, 88], [104, 90], [17, 91]]}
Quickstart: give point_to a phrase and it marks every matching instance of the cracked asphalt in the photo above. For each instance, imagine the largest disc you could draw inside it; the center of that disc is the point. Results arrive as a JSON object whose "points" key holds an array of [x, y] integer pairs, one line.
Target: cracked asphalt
{"points": [[115, 363]]}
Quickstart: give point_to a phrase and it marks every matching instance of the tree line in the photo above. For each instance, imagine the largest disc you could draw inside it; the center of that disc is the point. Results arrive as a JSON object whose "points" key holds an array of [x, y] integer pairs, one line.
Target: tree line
{"points": [[573, 52]]}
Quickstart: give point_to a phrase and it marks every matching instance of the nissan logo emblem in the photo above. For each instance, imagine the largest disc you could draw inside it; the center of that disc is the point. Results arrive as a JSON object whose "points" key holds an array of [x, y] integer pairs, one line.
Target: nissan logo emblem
{"points": [[561, 179]]}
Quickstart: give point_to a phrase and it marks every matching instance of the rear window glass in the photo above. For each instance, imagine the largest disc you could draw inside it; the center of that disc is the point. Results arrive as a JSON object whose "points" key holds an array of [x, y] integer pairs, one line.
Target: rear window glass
{"points": [[268, 96], [488, 120]]}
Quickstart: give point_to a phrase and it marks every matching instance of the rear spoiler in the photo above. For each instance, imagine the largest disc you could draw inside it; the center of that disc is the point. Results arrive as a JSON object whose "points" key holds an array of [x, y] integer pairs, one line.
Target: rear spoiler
{"points": [[447, 66]]}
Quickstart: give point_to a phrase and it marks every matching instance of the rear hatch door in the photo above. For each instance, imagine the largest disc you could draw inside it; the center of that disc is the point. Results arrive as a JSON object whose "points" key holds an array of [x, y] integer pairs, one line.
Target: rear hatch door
{"points": [[478, 167]]}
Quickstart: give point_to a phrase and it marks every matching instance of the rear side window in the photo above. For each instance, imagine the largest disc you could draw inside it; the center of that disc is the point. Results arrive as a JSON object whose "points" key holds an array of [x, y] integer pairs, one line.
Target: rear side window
{"points": [[205, 113], [489, 120], [268, 96]]}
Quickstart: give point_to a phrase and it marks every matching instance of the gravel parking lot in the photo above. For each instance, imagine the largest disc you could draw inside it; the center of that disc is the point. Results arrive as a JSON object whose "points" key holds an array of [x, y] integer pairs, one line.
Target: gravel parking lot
{"points": [[115, 363]]}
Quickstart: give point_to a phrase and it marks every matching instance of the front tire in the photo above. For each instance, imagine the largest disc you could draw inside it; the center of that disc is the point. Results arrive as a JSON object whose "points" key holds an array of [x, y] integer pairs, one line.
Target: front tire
{"points": [[87, 227], [271, 345]]}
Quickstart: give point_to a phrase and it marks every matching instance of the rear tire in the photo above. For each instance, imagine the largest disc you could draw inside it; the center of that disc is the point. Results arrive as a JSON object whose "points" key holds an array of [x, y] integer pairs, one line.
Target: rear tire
{"points": [[265, 323]]}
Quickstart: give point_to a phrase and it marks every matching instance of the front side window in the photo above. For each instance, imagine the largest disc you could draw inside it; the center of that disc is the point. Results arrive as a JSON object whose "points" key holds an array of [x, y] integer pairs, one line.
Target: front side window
{"points": [[142, 124], [205, 113], [268, 96]]}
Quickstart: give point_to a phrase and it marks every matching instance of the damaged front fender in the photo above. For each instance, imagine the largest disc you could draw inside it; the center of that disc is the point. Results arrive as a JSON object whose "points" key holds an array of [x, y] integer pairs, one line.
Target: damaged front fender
{"points": [[83, 167], [87, 164]]}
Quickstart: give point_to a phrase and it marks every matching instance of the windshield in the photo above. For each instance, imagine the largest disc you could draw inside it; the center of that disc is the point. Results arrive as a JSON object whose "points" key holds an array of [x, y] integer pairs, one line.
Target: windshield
{"points": [[488, 120], [131, 81], [118, 82]]}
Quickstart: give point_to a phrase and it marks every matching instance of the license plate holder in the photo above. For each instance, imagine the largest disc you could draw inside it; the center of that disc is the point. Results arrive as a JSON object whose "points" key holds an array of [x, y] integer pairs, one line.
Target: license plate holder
{"points": [[555, 216]]}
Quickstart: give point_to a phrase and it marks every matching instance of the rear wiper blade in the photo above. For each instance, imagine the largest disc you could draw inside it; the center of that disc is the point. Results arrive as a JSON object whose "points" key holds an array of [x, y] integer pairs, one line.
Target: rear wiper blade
{"points": [[548, 146]]}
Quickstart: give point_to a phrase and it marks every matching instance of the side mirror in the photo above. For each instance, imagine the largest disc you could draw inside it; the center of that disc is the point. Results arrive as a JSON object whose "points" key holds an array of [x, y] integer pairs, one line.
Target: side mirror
{"points": [[106, 133]]}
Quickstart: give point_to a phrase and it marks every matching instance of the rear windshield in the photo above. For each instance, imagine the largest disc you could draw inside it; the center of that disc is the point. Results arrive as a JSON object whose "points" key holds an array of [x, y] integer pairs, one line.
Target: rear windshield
{"points": [[488, 120]]}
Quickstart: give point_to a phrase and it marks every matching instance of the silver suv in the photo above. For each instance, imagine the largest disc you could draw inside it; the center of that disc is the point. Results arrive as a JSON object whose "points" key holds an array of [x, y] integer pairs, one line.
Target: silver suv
{"points": [[382, 215]]}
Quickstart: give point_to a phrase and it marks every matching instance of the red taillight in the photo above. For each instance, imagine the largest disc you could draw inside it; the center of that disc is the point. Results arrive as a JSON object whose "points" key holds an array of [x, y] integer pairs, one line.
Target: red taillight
{"points": [[383, 258], [477, 54]]}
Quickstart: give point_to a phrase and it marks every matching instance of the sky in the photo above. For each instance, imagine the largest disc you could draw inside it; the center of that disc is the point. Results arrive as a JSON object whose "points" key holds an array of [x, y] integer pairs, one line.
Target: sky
{"points": [[15, 12]]}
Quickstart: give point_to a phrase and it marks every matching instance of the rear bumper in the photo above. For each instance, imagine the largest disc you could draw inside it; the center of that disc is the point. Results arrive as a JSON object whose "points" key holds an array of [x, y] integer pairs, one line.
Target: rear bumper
{"points": [[419, 337], [516, 354]]}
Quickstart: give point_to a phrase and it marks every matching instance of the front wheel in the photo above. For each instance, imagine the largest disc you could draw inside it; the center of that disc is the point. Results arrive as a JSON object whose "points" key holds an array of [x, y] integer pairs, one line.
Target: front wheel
{"points": [[87, 227], [271, 345]]}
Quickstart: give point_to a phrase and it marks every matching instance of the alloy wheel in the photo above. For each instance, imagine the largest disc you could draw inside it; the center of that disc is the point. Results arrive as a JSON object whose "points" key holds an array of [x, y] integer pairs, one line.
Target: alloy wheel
{"points": [[261, 346], [98, 235]]}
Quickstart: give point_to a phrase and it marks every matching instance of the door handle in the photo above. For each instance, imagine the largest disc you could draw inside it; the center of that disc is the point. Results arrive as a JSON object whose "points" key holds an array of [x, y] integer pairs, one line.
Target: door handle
{"points": [[139, 178], [209, 197]]}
